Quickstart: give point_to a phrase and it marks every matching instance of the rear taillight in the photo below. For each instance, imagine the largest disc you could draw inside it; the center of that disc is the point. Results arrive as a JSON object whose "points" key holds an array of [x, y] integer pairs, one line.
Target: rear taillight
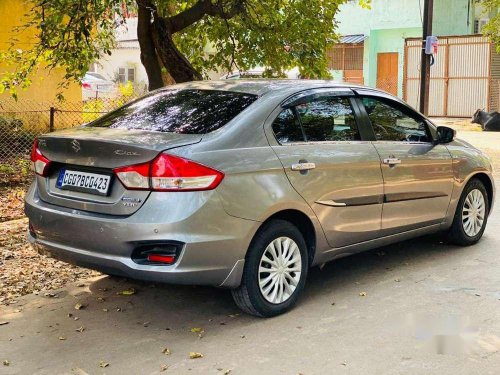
{"points": [[39, 163], [86, 86], [169, 173]]}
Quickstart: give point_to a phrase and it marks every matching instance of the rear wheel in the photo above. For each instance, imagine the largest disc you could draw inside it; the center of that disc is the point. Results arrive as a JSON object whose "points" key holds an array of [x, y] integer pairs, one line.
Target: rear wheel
{"points": [[471, 215], [275, 270]]}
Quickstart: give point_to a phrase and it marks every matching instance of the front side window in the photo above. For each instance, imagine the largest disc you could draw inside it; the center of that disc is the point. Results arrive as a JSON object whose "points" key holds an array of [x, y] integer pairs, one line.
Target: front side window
{"points": [[391, 124], [178, 111], [318, 120]]}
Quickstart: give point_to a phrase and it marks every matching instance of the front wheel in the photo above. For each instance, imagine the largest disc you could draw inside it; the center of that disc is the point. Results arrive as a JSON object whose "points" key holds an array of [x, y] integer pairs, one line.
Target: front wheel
{"points": [[275, 270], [471, 215]]}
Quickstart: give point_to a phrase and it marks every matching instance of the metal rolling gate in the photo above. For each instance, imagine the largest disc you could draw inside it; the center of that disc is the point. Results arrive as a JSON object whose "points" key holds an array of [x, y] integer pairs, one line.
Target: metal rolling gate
{"points": [[462, 79]]}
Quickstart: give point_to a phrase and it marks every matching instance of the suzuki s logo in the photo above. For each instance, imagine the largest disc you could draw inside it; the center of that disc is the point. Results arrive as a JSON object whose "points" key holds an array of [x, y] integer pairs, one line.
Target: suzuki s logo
{"points": [[75, 145]]}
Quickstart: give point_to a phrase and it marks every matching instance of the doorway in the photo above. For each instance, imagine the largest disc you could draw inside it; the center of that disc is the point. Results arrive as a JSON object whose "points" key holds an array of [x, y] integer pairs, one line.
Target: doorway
{"points": [[387, 72]]}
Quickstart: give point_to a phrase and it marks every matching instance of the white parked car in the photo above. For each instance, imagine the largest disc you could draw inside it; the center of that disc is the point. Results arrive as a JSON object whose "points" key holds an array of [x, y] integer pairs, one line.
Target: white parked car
{"points": [[95, 85]]}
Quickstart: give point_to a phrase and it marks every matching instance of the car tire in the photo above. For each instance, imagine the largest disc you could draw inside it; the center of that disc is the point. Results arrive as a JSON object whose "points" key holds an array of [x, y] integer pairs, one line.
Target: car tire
{"points": [[459, 233], [255, 296]]}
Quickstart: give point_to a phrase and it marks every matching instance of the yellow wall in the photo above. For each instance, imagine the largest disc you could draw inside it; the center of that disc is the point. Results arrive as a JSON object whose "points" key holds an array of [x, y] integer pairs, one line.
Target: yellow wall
{"points": [[45, 84]]}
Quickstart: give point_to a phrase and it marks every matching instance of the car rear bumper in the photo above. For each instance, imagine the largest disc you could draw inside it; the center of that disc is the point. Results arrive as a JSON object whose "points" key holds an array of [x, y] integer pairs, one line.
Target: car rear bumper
{"points": [[211, 254]]}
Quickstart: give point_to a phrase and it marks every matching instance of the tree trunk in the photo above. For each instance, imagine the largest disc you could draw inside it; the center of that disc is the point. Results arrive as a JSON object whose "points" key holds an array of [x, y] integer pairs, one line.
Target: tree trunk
{"points": [[148, 53], [172, 59]]}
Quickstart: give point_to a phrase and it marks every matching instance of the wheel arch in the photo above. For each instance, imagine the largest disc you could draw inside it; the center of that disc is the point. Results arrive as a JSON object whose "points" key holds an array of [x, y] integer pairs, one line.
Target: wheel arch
{"points": [[303, 223], [488, 184]]}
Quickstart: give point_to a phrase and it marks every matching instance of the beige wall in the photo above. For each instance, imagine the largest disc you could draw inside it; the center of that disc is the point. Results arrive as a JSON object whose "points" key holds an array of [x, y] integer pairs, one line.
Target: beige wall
{"points": [[45, 83]]}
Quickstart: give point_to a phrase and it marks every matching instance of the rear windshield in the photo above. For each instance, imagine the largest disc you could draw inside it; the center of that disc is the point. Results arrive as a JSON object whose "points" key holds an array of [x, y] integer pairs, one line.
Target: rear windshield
{"points": [[178, 111]]}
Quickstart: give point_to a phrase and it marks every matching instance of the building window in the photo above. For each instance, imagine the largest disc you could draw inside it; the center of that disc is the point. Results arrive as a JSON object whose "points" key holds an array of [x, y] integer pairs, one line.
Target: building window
{"points": [[345, 57], [126, 74], [479, 24]]}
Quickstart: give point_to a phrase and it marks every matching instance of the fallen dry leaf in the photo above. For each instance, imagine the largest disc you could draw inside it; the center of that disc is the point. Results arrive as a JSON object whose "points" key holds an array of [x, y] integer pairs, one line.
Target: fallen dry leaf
{"points": [[227, 372], [126, 292], [3, 323], [166, 351], [196, 330], [163, 368], [103, 364], [81, 329], [62, 338], [194, 355], [6, 362], [362, 294], [80, 306]]}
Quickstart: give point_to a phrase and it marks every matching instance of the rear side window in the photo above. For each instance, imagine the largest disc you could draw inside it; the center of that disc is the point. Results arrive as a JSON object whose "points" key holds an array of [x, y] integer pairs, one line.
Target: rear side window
{"points": [[317, 120], [286, 128], [391, 124], [178, 111], [328, 119]]}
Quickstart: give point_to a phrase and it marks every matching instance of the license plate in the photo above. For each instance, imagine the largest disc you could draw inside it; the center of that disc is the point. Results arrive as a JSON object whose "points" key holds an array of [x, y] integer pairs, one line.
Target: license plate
{"points": [[86, 182]]}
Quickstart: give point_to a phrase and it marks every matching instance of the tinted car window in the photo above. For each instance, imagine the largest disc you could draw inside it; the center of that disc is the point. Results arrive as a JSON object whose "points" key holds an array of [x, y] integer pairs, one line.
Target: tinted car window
{"points": [[391, 124], [328, 119], [286, 128], [178, 111]]}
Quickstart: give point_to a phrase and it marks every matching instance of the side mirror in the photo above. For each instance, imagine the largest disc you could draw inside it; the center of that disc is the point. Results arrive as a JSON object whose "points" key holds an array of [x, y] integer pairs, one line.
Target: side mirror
{"points": [[445, 134]]}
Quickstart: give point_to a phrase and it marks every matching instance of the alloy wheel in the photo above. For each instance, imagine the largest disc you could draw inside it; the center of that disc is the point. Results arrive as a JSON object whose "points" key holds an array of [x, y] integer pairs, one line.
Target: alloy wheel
{"points": [[473, 212]]}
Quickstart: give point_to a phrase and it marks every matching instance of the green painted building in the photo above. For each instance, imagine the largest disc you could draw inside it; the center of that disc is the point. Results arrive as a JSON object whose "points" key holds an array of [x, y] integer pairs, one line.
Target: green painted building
{"points": [[373, 40]]}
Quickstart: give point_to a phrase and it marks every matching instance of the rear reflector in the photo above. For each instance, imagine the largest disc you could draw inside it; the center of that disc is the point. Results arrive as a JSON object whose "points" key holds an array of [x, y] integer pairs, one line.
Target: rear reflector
{"points": [[157, 253], [158, 258], [39, 163], [169, 173]]}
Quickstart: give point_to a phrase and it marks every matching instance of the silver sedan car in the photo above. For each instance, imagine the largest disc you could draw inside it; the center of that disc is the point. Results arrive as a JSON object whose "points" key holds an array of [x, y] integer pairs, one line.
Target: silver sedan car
{"points": [[247, 184]]}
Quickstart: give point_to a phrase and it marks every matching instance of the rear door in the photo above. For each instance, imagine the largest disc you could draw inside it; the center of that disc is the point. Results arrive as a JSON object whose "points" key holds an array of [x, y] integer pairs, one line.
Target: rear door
{"points": [[418, 175], [322, 148]]}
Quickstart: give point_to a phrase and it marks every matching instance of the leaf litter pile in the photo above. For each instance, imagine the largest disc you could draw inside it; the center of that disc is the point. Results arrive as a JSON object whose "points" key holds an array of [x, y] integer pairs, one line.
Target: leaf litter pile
{"points": [[24, 271], [12, 203]]}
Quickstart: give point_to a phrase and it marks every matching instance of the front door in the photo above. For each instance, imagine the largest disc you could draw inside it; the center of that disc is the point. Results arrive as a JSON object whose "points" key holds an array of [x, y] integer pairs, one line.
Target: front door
{"points": [[387, 72], [330, 165], [418, 175]]}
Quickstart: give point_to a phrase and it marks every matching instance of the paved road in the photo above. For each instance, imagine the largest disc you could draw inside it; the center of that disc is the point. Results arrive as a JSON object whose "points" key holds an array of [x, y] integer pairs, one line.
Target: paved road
{"points": [[429, 308]]}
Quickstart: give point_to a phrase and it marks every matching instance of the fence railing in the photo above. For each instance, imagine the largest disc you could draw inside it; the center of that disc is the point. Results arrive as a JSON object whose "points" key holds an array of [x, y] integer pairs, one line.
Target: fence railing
{"points": [[22, 121]]}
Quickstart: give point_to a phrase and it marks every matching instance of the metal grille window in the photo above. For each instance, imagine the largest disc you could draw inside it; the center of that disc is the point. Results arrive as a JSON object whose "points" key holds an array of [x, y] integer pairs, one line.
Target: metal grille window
{"points": [[345, 57]]}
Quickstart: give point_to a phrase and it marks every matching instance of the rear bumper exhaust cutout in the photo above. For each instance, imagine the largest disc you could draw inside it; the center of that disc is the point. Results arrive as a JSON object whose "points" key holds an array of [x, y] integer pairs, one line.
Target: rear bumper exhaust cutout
{"points": [[157, 253]]}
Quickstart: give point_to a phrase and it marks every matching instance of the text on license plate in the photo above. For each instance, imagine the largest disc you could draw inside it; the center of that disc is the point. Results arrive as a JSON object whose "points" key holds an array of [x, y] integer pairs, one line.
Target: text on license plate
{"points": [[83, 181]]}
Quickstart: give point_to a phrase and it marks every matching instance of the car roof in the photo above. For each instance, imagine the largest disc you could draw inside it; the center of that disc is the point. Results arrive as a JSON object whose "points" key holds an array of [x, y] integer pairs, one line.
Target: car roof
{"points": [[262, 86]]}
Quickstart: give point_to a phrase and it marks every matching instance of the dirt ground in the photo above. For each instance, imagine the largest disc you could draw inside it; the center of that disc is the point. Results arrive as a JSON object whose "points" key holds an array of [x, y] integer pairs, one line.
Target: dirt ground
{"points": [[418, 307]]}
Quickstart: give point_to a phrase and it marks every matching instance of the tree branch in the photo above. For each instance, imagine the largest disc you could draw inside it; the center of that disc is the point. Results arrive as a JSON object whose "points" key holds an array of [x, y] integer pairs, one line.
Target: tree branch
{"points": [[201, 9]]}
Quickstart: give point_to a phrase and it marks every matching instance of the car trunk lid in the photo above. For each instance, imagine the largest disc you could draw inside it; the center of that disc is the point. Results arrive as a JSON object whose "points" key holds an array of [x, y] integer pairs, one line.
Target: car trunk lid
{"points": [[97, 151]]}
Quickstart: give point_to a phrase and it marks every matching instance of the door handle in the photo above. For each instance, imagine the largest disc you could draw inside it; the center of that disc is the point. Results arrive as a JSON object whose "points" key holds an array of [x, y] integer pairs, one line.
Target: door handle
{"points": [[303, 166], [392, 161]]}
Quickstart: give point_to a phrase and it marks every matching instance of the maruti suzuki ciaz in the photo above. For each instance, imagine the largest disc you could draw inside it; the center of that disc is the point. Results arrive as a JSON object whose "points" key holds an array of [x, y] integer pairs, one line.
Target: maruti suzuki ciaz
{"points": [[247, 184]]}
